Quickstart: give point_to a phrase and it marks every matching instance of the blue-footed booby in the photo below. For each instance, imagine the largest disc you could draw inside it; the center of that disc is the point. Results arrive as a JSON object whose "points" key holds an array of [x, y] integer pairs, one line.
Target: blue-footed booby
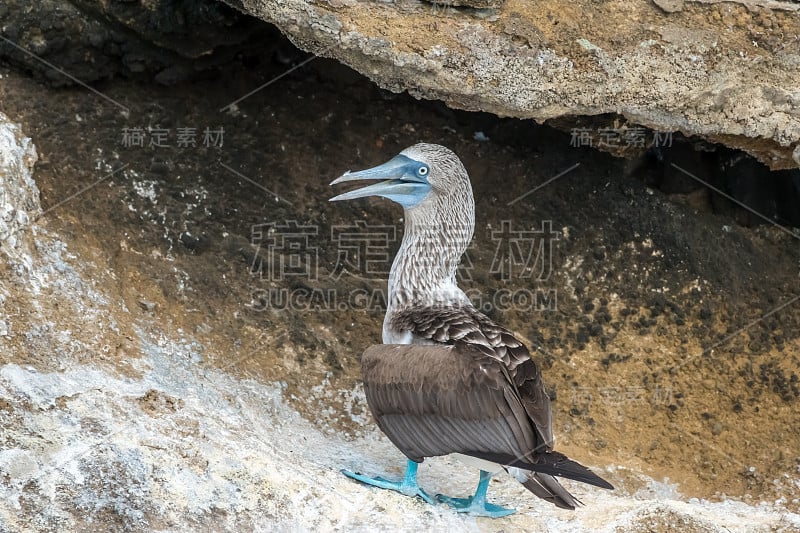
{"points": [[448, 379]]}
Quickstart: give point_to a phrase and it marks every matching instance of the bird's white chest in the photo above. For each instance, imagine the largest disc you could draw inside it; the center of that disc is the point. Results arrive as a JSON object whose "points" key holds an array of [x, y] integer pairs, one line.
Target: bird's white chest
{"points": [[391, 336]]}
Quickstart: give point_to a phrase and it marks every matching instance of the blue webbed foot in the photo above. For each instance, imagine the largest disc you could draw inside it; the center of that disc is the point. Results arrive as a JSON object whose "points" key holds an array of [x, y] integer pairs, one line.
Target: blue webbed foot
{"points": [[408, 486], [476, 504], [475, 507]]}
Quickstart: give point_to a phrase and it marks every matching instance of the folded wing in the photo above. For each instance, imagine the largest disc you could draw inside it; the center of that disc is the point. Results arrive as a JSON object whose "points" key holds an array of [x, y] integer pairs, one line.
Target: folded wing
{"points": [[435, 400]]}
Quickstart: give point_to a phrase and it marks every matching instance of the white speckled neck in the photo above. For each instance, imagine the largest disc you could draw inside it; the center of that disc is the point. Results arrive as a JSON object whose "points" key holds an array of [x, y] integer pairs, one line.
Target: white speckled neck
{"points": [[437, 233]]}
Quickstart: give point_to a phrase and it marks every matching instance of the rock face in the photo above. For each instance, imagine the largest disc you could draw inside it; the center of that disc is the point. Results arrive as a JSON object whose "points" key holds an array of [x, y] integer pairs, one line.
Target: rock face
{"points": [[141, 391], [727, 72], [19, 202], [724, 71], [105, 434], [19, 197]]}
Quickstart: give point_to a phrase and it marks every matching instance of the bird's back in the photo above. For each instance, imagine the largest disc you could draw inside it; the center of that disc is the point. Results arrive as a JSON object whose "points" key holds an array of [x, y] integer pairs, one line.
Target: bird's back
{"points": [[465, 326]]}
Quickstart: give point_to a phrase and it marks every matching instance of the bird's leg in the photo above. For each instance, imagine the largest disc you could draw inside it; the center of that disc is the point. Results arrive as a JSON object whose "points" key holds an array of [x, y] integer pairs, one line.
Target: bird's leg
{"points": [[408, 486], [477, 504]]}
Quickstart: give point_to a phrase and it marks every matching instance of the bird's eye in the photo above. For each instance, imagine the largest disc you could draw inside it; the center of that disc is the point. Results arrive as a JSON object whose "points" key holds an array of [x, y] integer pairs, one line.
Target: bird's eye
{"points": [[422, 171]]}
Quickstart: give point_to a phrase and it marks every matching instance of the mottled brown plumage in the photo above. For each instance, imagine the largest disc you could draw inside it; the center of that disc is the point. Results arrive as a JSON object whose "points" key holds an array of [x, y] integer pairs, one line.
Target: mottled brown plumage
{"points": [[467, 326], [474, 391]]}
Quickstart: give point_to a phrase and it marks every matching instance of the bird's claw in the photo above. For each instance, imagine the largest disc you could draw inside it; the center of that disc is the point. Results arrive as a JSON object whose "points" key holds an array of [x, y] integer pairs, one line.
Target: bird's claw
{"points": [[475, 507], [407, 487]]}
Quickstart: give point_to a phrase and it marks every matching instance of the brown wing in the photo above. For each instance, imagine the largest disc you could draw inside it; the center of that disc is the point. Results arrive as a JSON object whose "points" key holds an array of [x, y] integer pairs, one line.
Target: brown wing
{"points": [[435, 400], [466, 325]]}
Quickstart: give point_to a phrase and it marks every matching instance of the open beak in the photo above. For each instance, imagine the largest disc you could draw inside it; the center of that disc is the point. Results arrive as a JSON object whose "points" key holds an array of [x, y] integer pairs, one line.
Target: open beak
{"points": [[400, 182]]}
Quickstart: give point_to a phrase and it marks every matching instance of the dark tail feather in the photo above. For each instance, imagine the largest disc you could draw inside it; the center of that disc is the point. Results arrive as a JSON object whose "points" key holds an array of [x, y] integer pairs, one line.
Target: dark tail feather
{"points": [[546, 487], [552, 464]]}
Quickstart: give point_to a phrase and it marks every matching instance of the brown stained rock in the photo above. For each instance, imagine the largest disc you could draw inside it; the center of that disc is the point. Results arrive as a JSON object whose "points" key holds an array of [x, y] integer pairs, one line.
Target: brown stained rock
{"points": [[721, 71]]}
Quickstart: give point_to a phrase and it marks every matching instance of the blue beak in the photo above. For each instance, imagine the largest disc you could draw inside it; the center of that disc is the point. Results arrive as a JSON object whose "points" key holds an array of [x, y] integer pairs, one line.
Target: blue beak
{"points": [[405, 182]]}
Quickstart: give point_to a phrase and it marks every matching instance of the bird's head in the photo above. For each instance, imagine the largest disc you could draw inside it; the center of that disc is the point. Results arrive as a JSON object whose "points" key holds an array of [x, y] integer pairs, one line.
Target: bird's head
{"points": [[417, 176]]}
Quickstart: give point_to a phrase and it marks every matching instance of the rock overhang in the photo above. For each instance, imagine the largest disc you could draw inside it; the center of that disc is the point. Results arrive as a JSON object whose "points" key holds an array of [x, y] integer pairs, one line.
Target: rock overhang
{"points": [[728, 72]]}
